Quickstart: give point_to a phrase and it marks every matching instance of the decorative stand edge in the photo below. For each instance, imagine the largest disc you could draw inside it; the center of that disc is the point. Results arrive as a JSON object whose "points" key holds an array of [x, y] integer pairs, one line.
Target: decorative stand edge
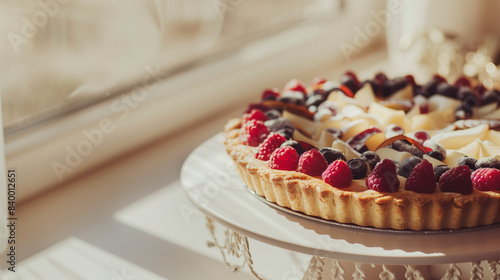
{"points": [[316, 269], [237, 246]]}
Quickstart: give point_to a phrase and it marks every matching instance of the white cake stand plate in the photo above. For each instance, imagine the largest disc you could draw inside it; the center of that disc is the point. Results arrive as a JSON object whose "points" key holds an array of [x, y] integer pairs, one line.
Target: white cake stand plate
{"points": [[213, 185]]}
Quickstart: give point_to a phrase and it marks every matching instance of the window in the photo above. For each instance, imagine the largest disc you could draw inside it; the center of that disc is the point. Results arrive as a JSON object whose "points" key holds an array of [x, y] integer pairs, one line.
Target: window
{"points": [[59, 54], [83, 81]]}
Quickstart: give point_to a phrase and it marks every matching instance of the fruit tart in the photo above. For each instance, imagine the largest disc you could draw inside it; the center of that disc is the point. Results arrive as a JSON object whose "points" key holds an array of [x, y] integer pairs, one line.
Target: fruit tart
{"points": [[383, 153]]}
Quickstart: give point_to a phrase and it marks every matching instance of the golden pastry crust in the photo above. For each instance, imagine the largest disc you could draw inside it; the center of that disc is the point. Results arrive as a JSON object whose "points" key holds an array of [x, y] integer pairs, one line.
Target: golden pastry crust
{"points": [[357, 204]]}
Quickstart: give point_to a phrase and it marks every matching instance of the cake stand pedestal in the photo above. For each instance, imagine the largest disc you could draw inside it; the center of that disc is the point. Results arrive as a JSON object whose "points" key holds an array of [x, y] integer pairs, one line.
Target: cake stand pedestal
{"points": [[211, 182]]}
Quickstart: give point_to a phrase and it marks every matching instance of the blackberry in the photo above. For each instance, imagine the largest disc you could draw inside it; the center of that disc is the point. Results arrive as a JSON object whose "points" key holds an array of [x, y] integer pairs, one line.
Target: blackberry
{"points": [[358, 167], [447, 90], [437, 155], [294, 144], [490, 96], [376, 86], [273, 114], [292, 97], [407, 165], [315, 92], [470, 101], [398, 83], [279, 123], [371, 157], [468, 161], [440, 170], [429, 88], [350, 81], [463, 112], [437, 150], [315, 100], [466, 93], [404, 146], [286, 132], [391, 86], [331, 154], [489, 162]]}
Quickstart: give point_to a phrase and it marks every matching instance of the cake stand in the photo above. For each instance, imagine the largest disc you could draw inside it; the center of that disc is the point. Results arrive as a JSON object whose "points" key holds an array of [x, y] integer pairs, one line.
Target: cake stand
{"points": [[211, 182]]}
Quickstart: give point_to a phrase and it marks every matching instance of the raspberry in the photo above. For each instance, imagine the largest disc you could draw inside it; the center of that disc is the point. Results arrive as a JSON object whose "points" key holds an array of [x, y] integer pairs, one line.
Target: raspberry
{"points": [[295, 85], [254, 114], [440, 170], [338, 174], [312, 163], [421, 136], [422, 179], [411, 80], [270, 94], [254, 132], [285, 158], [462, 82], [259, 106], [318, 81], [272, 142], [383, 177], [486, 179], [457, 180]]}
